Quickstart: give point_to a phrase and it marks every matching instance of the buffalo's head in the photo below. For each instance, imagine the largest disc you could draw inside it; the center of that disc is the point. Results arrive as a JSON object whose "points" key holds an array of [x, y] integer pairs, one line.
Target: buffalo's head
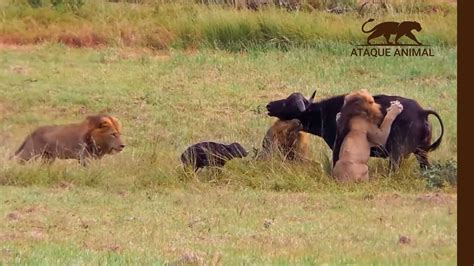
{"points": [[291, 107]]}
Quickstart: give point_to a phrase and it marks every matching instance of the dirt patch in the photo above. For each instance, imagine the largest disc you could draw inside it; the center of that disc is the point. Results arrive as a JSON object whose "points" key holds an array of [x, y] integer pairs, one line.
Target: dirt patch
{"points": [[16, 39], [14, 216], [267, 223], [137, 53], [77, 40], [7, 46], [86, 38], [123, 193], [65, 185], [191, 257], [26, 212], [3, 180], [37, 234], [82, 40], [404, 240], [20, 69], [34, 209], [113, 247], [389, 198], [8, 237], [5, 110], [436, 198], [429, 198]]}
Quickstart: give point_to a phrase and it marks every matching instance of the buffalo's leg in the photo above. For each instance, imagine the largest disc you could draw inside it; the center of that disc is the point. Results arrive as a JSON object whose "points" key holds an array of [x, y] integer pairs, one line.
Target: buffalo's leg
{"points": [[394, 164], [422, 158], [378, 152], [47, 159], [84, 161], [395, 158]]}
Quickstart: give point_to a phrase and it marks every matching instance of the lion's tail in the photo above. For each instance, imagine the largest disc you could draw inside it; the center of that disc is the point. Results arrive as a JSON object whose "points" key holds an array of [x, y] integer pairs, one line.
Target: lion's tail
{"points": [[370, 20]]}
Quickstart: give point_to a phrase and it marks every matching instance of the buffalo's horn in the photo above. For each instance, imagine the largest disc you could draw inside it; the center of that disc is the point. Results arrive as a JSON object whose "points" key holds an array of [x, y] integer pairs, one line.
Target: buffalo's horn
{"points": [[300, 105], [311, 99]]}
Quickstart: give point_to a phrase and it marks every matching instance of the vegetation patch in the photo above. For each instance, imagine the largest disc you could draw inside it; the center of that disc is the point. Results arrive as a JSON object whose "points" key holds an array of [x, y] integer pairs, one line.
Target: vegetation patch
{"points": [[184, 24], [442, 174]]}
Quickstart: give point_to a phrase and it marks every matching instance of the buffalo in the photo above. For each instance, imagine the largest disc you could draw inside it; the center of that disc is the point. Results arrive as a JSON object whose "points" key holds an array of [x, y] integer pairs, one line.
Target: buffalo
{"points": [[411, 131]]}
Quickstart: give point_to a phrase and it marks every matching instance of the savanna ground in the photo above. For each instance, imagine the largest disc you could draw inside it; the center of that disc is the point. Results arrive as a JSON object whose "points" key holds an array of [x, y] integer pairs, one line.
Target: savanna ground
{"points": [[211, 82]]}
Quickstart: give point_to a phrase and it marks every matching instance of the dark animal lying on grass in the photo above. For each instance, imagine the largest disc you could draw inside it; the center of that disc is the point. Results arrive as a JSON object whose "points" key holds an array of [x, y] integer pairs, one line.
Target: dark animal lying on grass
{"points": [[285, 138], [96, 136], [211, 154], [410, 133]]}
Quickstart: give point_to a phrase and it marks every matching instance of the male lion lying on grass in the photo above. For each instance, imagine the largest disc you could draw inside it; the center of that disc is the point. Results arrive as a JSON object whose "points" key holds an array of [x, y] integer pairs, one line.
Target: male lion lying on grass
{"points": [[96, 136], [357, 125]]}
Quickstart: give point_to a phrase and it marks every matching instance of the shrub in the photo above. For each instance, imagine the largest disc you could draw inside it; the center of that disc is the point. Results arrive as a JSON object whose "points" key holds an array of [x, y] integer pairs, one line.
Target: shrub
{"points": [[62, 5], [35, 3], [67, 5], [441, 174]]}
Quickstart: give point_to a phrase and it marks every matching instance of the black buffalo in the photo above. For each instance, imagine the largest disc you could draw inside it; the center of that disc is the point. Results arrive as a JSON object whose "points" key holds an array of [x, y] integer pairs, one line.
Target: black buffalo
{"points": [[212, 154], [410, 132]]}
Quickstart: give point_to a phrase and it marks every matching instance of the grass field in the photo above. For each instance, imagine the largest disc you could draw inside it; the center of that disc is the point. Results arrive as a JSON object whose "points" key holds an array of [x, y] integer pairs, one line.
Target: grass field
{"points": [[139, 206], [208, 225], [163, 26]]}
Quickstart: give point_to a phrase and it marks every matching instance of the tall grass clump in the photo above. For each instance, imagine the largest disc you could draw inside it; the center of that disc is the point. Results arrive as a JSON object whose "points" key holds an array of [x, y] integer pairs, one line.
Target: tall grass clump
{"points": [[162, 25]]}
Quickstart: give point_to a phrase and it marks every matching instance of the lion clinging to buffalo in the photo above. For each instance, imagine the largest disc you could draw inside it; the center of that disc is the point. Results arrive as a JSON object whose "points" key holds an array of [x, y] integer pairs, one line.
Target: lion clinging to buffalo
{"points": [[360, 126]]}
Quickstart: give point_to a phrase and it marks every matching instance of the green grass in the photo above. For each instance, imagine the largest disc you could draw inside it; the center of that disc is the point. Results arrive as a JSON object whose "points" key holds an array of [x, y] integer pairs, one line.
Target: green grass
{"points": [[140, 207], [168, 101], [170, 26], [87, 226]]}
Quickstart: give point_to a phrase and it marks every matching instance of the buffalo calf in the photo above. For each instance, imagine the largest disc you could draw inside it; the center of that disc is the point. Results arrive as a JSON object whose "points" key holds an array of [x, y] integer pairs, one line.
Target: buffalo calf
{"points": [[211, 154]]}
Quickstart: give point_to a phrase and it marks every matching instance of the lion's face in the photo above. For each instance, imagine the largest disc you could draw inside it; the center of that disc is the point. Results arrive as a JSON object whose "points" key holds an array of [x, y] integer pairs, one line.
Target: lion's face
{"points": [[290, 129], [294, 125], [106, 133], [364, 102]]}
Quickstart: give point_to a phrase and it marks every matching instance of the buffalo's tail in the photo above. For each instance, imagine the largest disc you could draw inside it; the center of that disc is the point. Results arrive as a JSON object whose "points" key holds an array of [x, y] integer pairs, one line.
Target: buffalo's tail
{"points": [[436, 144]]}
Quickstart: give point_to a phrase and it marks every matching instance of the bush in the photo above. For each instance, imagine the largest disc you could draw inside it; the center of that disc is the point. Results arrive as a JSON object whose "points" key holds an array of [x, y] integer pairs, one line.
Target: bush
{"points": [[35, 3], [67, 5], [62, 5], [442, 174]]}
